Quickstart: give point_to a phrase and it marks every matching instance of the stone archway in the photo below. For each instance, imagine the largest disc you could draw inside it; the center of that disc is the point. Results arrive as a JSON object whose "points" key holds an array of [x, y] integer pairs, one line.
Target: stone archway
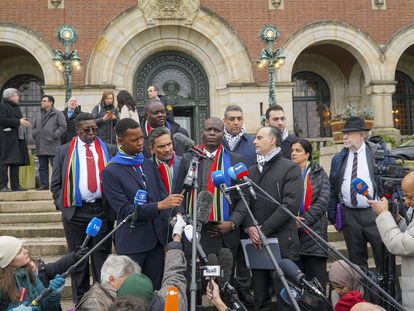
{"points": [[36, 46]]}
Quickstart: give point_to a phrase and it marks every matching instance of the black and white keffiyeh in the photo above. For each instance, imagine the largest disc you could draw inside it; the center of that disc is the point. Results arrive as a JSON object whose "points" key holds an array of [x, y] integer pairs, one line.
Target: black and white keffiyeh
{"points": [[232, 140], [261, 160]]}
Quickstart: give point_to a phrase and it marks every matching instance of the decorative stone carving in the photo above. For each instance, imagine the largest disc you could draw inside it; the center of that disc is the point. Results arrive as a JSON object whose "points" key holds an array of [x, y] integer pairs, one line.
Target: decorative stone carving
{"points": [[159, 10]]}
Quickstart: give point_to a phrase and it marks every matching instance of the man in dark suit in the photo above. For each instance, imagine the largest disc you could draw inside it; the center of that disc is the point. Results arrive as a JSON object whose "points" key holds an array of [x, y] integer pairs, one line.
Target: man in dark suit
{"points": [[77, 192], [155, 116], [275, 117], [163, 155], [127, 173], [71, 112]]}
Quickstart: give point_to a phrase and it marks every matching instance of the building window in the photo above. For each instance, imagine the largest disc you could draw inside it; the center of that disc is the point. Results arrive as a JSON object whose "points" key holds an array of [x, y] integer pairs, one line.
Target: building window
{"points": [[311, 102], [403, 104]]}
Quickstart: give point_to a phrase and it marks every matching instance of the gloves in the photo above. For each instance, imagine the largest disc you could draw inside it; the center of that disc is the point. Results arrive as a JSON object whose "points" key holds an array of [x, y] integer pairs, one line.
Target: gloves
{"points": [[57, 284], [80, 252], [179, 226], [24, 307]]}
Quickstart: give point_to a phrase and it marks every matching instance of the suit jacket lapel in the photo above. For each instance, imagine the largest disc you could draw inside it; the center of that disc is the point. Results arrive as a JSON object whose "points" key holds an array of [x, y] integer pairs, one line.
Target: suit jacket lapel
{"points": [[370, 163], [131, 171]]}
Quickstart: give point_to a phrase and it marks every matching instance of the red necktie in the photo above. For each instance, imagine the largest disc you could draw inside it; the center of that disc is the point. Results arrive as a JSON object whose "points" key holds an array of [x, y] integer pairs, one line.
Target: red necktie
{"points": [[91, 169]]}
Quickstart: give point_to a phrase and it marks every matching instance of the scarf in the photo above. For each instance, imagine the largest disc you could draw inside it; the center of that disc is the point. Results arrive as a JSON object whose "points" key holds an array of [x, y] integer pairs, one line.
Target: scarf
{"points": [[285, 134], [220, 209], [307, 194], [22, 279], [232, 140], [165, 172], [148, 128], [261, 160], [125, 159], [71, 192]]}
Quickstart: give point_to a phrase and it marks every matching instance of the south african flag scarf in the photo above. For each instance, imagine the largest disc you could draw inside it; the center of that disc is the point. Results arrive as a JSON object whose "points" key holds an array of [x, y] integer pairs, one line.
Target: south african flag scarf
{"points": [[148, 128], [165, 172], [71, 191], [220, 210], [307, 194]]}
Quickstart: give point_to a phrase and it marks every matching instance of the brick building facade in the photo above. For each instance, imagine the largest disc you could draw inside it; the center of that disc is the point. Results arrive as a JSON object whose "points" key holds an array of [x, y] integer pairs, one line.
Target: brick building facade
{"points": [[202, 54]]}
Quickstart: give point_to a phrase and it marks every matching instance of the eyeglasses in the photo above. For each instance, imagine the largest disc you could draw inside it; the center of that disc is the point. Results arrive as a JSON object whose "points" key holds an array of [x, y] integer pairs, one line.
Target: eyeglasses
{"points": [[88, 129]]}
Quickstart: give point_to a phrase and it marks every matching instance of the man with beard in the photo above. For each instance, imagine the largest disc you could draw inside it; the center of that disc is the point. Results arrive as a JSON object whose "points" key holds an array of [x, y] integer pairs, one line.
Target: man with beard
{"points": [[164, 157], [13, 148], [156, 117], [128, 172]]}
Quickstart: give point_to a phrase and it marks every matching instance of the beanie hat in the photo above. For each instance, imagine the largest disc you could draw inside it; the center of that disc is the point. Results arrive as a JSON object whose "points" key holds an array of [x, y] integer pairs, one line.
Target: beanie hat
{"points": [[9, 248], [139, 285], [347, 301]]}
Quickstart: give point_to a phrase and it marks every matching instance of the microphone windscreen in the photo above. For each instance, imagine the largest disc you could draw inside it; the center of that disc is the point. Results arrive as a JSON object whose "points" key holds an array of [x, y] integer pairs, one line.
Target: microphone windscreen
{"points": [[218, 178], [225, 260], [212, 260], [360, 186], [93, 227], [231, 173], [240, 170], [183, 140], [205, 200], [140, 197], [295, 293], [290, 269]]}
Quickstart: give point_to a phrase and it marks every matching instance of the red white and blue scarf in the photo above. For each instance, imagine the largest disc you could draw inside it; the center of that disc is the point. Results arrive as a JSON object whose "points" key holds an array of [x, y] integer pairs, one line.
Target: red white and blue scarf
{"points": [[148, 128], [307, 193]]}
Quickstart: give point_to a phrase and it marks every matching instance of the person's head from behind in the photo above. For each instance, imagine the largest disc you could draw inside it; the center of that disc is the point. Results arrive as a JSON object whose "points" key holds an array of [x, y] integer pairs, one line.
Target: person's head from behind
{"points": [[138, 285], [275, 116], [129, 303], [233, 119], [125, 99], [13, 256], [343, 278], [85, 126], [407, 185], [116, 269], [301, 151], [267, 138], [130, 136], [155, 113], [366, 306], [161, 144], [11, 94]]}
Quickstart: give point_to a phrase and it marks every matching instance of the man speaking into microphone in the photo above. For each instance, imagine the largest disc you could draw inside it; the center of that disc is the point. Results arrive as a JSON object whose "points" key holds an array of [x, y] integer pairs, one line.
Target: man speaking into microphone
{"points": [[127, 174], [282, 179]]}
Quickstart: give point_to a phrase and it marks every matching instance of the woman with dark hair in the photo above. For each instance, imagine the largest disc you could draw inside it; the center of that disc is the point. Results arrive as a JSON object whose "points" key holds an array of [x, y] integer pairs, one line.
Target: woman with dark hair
{"points": [[126, 106], [312, 211]]}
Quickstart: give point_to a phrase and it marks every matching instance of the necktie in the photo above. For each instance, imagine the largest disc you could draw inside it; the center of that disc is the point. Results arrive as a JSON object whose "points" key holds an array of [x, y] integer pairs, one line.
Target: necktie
{"points": [[354, 174], [91, 169]]}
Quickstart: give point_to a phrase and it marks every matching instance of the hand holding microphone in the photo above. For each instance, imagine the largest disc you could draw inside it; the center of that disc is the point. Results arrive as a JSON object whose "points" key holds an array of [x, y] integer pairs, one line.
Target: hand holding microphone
{"points": [[179, 226], [92, 230], [139, 200], [172, 201], [361, 188]]}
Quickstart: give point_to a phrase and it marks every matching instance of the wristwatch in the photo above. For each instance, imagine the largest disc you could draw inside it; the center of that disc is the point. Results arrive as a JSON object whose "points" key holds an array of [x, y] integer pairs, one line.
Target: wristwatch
{"points": [[233, 226]]}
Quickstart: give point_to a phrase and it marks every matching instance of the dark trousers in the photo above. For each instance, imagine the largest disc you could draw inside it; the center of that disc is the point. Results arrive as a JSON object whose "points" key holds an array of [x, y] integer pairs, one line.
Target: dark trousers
{"points": [[152, 264], [44, 161], [314, 267], [360, 228], [243, 277], [14, 176], [75, 231]]}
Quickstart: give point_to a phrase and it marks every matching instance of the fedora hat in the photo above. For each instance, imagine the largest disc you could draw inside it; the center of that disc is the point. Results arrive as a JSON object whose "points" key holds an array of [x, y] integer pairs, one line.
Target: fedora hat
{"points": [[354, 124]]}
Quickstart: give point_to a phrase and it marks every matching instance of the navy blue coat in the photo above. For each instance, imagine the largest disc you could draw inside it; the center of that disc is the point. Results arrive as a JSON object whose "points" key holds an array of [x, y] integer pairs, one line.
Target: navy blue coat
{"points": [[120, 184], [245, 148]]}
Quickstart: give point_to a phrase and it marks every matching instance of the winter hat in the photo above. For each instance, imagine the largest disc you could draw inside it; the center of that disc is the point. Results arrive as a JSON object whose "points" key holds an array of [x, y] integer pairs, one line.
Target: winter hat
{"points": [[9, 248], [139, 285], [347, 301], [341, 273]]}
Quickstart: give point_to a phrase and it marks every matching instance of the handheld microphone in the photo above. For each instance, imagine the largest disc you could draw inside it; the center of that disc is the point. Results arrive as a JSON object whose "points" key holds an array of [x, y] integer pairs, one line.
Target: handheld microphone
{"points": [[296, 293], [293, 272], [231, 291], [92, 230], [361, 188], [219, 181], [188, 232], [212, 269], [139, 200], [190, 146], [241, 172]]}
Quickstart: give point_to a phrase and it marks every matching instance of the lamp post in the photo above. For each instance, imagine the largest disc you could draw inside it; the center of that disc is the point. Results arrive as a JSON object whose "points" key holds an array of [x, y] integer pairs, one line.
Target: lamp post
{"points": [[65, 60], [272, 58]]}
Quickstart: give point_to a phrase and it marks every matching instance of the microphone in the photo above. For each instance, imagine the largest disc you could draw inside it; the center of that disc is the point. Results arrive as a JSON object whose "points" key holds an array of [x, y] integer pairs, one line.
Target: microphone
{"points": [[190, 146], [361, 188], [139, 200], [293, 272], [241, 172], [212, 269], [205, 200], [188, 232], [297, 295], [231, 291], [219, 181], [225, 260], [92, 230]]}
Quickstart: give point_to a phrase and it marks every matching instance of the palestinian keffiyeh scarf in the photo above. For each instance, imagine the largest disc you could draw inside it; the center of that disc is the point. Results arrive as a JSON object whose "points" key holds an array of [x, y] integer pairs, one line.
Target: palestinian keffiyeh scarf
{"points": [[123, 158], [285, 134], [261, 160], [232, 140], [165, 171], [220, 210], [307, 194], [71, 192], [148, 128]]}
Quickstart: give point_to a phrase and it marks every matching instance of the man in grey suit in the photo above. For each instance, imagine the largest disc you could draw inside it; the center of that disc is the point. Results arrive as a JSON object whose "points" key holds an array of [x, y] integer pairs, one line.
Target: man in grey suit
{"points": [[168, 163]]}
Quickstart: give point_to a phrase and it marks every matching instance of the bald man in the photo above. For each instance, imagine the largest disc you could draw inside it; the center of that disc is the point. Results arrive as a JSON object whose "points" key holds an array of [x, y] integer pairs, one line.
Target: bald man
{"points": [[398, 237]]}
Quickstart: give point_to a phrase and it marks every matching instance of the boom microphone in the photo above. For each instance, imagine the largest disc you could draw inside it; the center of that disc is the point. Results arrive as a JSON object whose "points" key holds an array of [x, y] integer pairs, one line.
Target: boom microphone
{"points": [[219, 181], [240, 171], [92, 230], [361, 188], [205, 200], [190, 146]]}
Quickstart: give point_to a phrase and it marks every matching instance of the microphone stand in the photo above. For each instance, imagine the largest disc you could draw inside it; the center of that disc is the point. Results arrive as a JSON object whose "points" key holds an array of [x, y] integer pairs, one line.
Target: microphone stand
{"points": [[48, 290], [263, 238], [331, 248]]}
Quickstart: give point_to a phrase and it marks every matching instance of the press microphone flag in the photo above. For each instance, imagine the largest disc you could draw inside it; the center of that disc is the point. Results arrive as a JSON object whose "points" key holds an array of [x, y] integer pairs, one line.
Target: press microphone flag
{"points": [[92, 230], [219, 181], [140, 197], [361, 188], [240, 172]]}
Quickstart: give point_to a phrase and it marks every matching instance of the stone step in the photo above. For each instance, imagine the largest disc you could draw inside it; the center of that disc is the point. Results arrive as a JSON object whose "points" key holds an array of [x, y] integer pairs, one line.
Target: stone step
{"points": [[334, 235], [46, 247], [31, 195], [23, 231], [44, 217], [27, 206]]}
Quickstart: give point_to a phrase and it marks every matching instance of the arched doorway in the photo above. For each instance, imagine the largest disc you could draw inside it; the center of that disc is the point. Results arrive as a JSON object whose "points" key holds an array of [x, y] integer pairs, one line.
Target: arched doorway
{"points": [[311, 98], [182, 80], [31, 91], [403, 104]]}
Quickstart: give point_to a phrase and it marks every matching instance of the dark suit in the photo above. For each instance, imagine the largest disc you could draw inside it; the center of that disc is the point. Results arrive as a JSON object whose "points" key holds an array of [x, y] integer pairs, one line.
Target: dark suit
{"points": [[286, 145], [70, 123], [146, 241], [75, 221]]}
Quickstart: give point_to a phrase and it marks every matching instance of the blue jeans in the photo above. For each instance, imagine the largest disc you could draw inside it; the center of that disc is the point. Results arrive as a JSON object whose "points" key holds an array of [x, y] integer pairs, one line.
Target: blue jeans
{"points": [[44, 161]]}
